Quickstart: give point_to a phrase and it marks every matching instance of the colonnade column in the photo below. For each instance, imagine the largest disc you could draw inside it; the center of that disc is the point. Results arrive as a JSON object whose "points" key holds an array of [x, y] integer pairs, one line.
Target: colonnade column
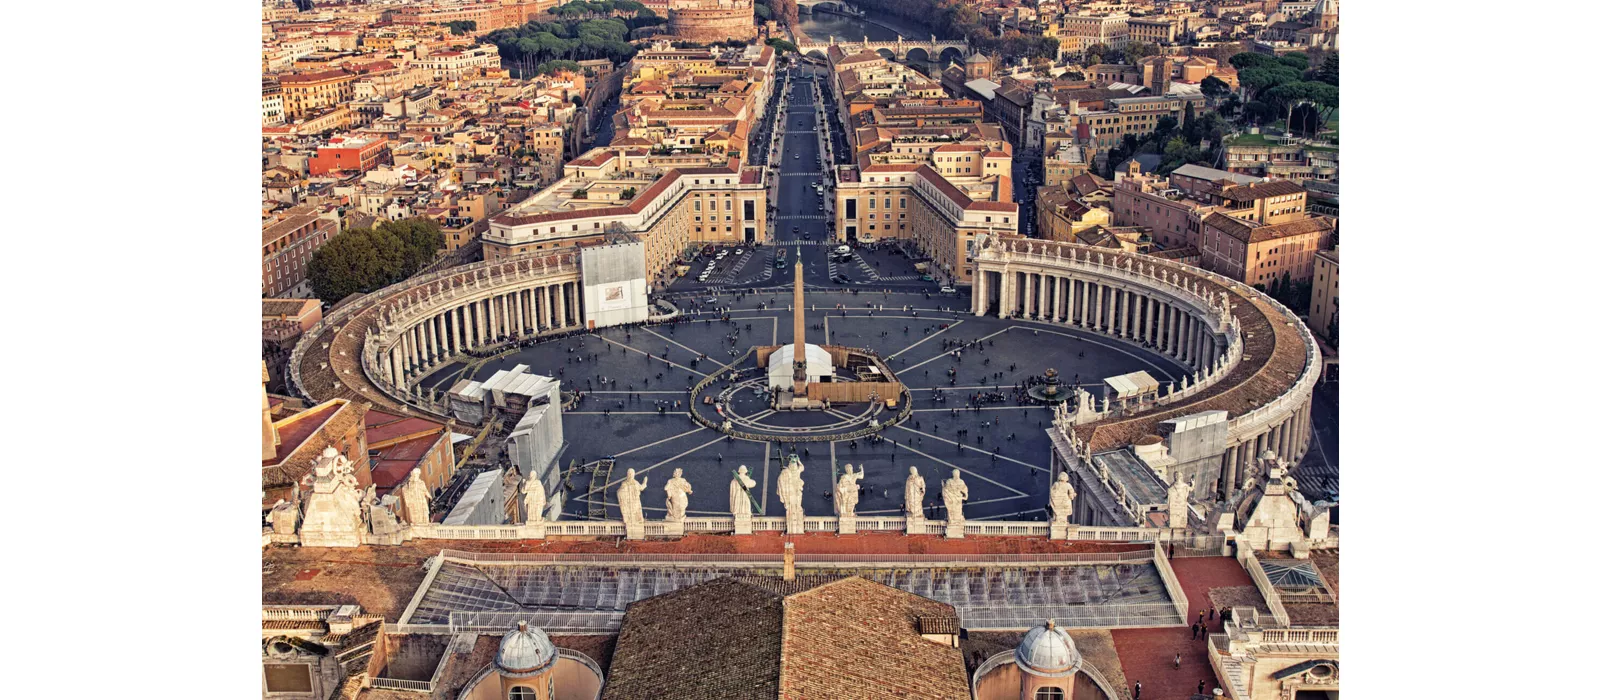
{"points": [[1177, 335], [1186, 339], [1291, 437], [1027, 294], [1166, 329], [1057, 294], [456, 329], [1141, 329], [561, 305], [405, 348], [1095, 297], [1111, 309], [519, 322], [432, 341], [1306, 428], [495, 317], [1071, 309]]}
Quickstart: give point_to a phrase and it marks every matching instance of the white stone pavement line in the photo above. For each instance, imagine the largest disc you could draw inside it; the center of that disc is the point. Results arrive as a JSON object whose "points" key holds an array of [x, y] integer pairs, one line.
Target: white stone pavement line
{"points": [[833, 462], [1088, 339], [1316, 440], [681, 345], [641, 352], [969, 471], [946, 353], [651, 391], [685, 453], [924, 340], [902, 426], [626, 413], [697, 429], [766, 466]]}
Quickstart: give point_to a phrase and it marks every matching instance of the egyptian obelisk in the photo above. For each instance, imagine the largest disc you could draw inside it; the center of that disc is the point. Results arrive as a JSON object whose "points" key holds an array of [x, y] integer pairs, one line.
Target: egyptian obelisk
{"points": [[799, 329]]}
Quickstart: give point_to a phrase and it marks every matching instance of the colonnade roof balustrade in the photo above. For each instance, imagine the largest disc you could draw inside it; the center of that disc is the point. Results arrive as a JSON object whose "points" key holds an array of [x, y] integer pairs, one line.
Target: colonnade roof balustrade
{"points": [[328, 362], [1279, 359]]}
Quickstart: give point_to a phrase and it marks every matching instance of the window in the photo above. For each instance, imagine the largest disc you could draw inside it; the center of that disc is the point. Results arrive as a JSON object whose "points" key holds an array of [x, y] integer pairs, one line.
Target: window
{"points": [[524, 693]]}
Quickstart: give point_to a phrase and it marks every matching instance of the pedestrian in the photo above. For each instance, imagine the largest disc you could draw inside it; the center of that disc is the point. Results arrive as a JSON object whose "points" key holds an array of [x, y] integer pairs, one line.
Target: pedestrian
{"points": [[1211, 613], [1137, 688], [1201, 689], [1177, 660], [1194, 631]]}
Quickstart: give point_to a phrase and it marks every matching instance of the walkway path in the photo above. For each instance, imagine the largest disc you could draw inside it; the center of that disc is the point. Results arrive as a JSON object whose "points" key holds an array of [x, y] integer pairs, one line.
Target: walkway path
{"points": [[1146, 654]]}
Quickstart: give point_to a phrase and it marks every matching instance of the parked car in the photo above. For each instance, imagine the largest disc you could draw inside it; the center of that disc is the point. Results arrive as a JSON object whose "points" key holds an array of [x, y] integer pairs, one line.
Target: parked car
{"points": [[947, 290]]}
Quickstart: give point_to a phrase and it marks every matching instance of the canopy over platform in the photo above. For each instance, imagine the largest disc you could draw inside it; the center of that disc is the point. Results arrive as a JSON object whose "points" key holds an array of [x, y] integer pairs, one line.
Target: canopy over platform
{"points": [[1133, 384]]}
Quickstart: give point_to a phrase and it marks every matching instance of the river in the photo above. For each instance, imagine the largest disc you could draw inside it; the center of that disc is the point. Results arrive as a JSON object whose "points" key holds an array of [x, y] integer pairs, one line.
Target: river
{"points": [[821, 25]]}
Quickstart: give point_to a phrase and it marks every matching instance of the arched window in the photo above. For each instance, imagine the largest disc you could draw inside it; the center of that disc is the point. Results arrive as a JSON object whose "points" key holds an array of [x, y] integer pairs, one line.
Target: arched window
{"points": [[1050, 694], [525, 693]]}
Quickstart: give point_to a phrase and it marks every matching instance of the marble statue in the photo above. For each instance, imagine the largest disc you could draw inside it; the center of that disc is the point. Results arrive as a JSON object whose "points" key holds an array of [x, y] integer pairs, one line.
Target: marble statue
{"points": [[955, 494], [846, 494], [533, 500], [628, 499], [915, 489], [381, 518], [791, 486], [739, 491], [1178, 503], [1061, 496], [678, 491], [414, 498]]}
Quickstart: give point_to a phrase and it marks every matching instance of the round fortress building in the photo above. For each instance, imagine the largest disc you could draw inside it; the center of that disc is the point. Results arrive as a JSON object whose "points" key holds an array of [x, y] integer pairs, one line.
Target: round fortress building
{"points": [[705, 21]]}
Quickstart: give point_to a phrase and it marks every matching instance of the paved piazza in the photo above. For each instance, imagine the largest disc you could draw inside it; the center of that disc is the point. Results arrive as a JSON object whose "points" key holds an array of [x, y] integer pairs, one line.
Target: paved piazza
{"points": [[1007, 476], [643, 376]]}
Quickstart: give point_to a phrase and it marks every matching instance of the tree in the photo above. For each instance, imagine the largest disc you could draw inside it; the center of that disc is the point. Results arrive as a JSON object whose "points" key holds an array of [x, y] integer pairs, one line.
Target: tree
{"points": [[1328, 72], [783, 46], [1296, 60], [1259, 112], [1213, 87], [1191, 126], [1136, 50], [1260, 78], [367, 259], [1241, 61]]}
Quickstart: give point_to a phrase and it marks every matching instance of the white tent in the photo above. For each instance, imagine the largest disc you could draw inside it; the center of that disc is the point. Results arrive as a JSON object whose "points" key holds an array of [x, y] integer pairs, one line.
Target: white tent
{"points": [[780, 366]]}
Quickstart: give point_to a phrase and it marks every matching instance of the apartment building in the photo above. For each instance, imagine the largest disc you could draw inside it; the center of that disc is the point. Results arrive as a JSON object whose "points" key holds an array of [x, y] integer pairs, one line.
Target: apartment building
{"points": [[287, 241]]}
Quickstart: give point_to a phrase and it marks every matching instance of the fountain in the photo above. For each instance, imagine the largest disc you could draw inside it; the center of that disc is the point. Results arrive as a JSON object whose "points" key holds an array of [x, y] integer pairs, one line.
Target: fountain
{"points": [[1050, 391]]}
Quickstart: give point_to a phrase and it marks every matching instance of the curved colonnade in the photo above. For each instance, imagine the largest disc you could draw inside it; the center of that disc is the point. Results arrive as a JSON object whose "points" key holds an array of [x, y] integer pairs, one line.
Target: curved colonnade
{"points": [[1250, 355], [377, 348]]}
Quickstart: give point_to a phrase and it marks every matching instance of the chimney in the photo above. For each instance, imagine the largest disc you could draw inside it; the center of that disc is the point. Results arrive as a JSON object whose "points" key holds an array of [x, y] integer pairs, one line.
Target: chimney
{"points": [[788, 561]]}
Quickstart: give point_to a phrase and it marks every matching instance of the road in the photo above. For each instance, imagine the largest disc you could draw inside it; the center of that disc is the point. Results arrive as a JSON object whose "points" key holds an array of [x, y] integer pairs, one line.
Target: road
{"points": [[800, 221]]}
